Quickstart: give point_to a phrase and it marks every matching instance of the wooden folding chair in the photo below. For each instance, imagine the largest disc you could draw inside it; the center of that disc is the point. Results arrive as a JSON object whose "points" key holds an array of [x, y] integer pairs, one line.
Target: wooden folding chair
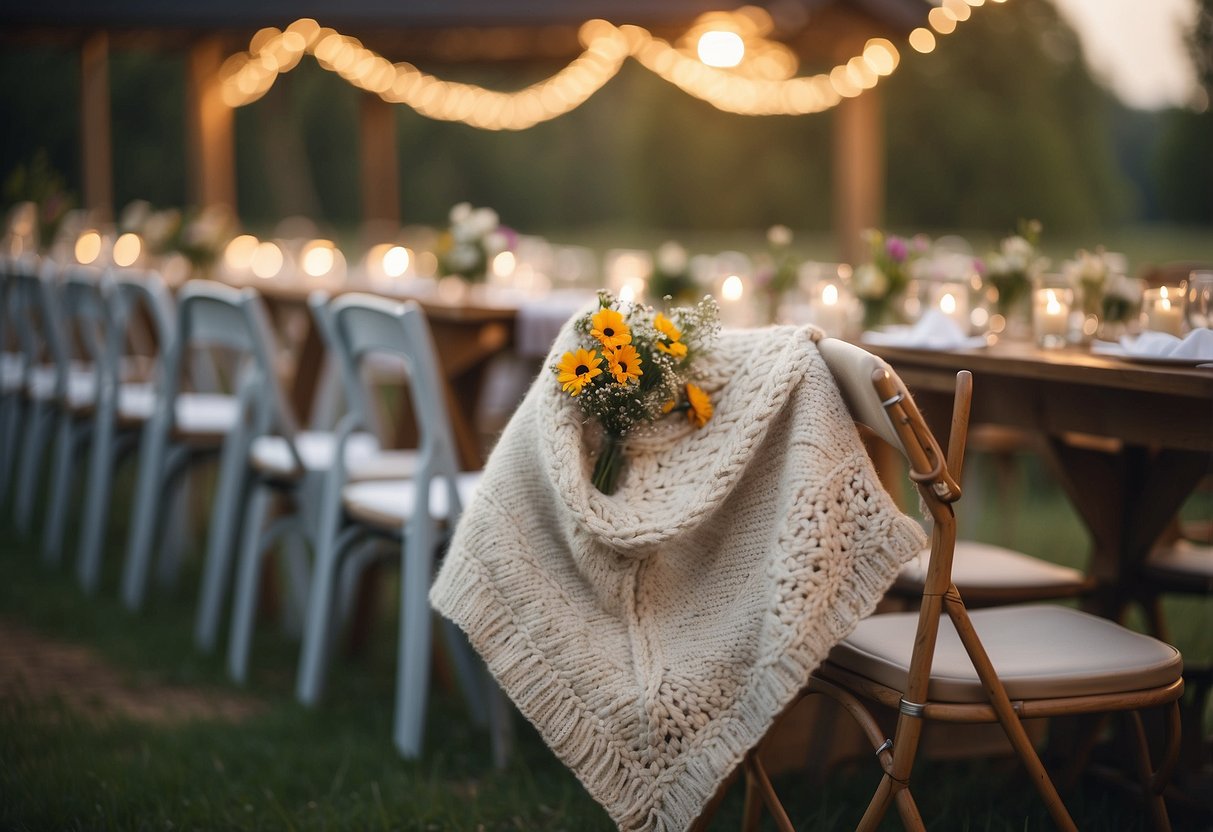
{"points": [[1002, 665]]}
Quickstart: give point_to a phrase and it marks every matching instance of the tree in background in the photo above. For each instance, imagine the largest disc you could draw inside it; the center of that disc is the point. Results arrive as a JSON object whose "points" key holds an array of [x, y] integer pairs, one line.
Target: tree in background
{"points": [[1001, 121], [1184, 161]]}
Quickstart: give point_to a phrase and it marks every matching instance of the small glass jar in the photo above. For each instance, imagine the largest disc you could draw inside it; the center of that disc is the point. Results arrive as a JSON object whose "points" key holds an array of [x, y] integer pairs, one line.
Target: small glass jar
{"points": [[1198, 300], [1162, 310], [1051, 316]]}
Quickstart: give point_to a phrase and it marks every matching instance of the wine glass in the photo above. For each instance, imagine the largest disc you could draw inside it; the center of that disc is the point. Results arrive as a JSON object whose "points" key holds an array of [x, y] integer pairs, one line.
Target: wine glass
{"points": [[1198, 300]]}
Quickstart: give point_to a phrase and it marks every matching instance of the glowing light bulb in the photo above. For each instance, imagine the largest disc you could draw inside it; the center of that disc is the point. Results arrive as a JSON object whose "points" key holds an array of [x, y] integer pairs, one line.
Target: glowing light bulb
{"points": [[504, 264], [732, 288], [318, 258], [88, 247], [396, 261], [127, 249], [266, 260], [721, 49], [239, 252]]}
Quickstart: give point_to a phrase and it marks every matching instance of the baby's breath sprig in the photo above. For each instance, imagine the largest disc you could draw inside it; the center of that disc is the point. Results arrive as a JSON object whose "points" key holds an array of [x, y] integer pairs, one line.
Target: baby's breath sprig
{"points": [[633, 366]]}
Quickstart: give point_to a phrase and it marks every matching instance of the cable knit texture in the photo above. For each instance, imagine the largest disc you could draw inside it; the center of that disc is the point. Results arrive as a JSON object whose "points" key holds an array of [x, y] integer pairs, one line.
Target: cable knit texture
{"points": [[653, 635]]}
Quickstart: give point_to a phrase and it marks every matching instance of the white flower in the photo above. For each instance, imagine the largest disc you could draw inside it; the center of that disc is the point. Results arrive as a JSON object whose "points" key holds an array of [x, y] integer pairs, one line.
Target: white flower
{"points": [[160, 227], [671, 258], [870, 282], [460, 213], [1018, 253], [482, 221], [495, 242], [1127, 288], [135, 215], [779, 235], [463, 256], [1086, 270]]}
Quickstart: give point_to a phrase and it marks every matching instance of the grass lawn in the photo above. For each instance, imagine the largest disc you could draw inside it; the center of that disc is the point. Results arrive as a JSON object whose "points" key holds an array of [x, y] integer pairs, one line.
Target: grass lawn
{"points": [[76, 755]]}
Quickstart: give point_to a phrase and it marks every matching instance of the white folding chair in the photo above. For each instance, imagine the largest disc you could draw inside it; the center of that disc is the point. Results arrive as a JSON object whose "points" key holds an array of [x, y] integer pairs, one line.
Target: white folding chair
{"points": [[209, 316], [293, 464], [81, 322], [419, 512], [134, 299], [15, 359]]}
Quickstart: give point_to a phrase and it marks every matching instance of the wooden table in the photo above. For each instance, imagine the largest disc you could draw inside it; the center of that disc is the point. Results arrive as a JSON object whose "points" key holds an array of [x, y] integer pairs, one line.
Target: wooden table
{"points": [[1127, 441], [468, 334]]}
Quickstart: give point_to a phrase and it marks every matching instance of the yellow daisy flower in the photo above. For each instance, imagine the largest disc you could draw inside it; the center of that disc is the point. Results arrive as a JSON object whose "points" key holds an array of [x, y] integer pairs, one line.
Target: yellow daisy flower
{"points": [[668, 406], [608, 326], [701, 406], [676, 348], [624, 364], [666, 327], [578, 369]]}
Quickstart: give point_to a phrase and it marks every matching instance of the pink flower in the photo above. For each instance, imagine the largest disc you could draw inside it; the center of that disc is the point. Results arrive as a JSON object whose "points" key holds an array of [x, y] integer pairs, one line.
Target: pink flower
{"points": [[897, 249]]}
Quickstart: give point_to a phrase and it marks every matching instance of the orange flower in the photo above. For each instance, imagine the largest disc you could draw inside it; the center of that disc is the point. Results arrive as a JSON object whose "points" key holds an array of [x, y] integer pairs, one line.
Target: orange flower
{"points": [[610, 329], [576, 370], [624, 364], [676, 349], [700, 406]]}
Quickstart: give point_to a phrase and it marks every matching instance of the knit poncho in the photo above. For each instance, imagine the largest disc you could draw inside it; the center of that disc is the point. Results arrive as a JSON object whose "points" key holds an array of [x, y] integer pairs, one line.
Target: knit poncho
{"points": [[653, 635]]}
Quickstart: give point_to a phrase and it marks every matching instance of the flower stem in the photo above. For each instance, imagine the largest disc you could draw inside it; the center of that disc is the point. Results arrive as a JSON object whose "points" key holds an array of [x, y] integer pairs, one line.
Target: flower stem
{"points": [[608, 464]]}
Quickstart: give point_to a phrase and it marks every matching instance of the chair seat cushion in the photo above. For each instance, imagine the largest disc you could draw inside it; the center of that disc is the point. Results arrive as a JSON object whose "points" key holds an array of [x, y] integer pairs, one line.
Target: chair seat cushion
{"points": [[1184, 562], [986, 567], [81, 384], [1040, 651], [198, 414], [389, 503], [271, 455]]}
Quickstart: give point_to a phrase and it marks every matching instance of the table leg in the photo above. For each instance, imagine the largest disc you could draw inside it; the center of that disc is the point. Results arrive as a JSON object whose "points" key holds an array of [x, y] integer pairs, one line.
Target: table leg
{"points": [[1126, 499]]}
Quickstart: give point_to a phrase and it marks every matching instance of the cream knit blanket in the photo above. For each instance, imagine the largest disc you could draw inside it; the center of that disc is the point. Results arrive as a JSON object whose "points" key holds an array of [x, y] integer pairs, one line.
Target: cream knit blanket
{"points": [[652, 636]]}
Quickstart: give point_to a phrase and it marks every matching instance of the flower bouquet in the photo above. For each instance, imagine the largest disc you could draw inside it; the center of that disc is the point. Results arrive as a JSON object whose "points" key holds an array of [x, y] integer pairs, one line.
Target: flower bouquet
{"points": [[474, 238], [634, 366], [881, 282], [1098, 279], [1012, 268], [778, 271]]}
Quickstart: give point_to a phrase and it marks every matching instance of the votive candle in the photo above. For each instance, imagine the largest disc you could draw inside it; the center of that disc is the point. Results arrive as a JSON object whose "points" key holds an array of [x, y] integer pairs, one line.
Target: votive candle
{"points": [[1163, 309], [1051, 316]]}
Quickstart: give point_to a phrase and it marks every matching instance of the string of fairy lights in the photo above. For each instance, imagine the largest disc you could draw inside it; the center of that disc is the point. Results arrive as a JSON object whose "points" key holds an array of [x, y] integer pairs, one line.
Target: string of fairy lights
{"points": [[725, 59]]}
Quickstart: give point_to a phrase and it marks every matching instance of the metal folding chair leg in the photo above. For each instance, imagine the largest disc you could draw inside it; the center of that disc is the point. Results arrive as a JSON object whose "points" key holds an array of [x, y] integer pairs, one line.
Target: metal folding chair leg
{"points": [[413, 664], [102, 460], [29, 476], [67, 436], [248, 579], [221, 538], [149, 482]]}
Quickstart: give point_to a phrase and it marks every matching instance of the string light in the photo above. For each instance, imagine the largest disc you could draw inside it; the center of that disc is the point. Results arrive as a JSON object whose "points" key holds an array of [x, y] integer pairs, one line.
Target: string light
{"points": [[755, 77]]}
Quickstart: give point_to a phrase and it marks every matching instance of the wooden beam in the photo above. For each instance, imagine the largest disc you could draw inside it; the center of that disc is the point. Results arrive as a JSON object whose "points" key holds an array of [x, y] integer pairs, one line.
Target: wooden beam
{"points": [[859, 170], [210, 129], [380, 170], [95, 142]]}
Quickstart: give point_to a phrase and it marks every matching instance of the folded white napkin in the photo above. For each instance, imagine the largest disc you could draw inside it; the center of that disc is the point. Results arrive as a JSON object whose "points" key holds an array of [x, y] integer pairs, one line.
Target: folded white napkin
{"points": [[934, 331], [1197, 346]]}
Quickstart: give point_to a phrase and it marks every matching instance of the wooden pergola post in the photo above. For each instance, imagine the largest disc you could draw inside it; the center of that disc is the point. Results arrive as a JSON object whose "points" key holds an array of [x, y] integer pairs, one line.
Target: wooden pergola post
{"points": [[859, 170], [95, 143], [379, 167], [210, 129]]}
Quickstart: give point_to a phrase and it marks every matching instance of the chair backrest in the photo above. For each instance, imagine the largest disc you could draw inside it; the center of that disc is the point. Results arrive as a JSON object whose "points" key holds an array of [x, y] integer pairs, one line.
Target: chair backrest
{"points": [[85, 314], [20, 280], [211, 315], [39, 321], [365, 325], [878, 399]]}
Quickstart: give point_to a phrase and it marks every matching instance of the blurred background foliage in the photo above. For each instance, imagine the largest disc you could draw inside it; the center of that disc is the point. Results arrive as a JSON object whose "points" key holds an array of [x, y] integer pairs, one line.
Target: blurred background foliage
{"points": [[1002, 121]]}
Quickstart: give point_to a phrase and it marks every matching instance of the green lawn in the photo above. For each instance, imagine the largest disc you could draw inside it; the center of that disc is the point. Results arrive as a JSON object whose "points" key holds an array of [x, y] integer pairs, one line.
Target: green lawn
{"points": [[286, 767]]}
